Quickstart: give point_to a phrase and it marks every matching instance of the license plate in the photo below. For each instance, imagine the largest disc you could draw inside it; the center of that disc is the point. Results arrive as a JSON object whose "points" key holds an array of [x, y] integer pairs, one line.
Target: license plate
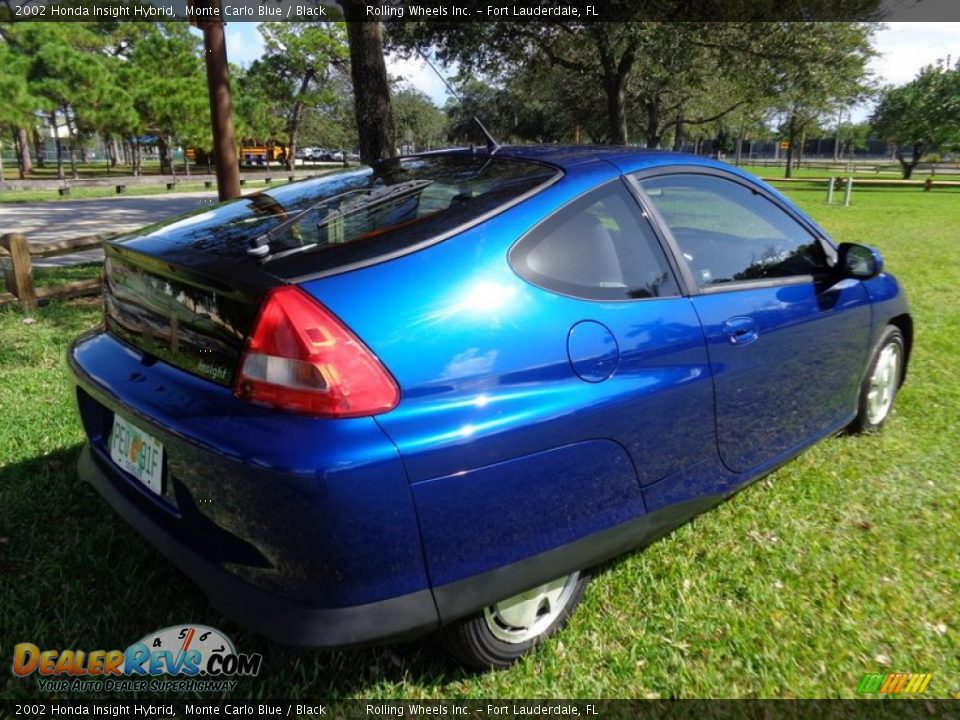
{"points": [[137, 452]]}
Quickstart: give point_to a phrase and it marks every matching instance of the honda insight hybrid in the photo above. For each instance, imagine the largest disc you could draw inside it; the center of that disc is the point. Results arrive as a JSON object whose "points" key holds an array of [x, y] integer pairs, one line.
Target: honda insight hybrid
{"points": [[431, 394]]}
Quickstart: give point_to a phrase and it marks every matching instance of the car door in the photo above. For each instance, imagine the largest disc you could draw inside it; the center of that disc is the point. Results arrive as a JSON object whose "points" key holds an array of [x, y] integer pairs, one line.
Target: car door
{"points": [[632, 334], [787, 342]]}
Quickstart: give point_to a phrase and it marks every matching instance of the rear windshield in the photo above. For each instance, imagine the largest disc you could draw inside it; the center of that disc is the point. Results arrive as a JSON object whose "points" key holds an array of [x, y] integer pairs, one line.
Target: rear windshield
{"points": [[354, 216]]}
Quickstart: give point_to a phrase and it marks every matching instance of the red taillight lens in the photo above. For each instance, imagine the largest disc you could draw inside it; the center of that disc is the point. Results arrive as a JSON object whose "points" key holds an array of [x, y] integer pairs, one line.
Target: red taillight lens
{"points": [[300, 357]]}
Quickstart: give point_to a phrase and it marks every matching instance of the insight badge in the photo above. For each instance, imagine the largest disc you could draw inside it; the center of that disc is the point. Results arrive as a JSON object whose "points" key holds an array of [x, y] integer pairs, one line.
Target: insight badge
{"points": [[193, 651]]}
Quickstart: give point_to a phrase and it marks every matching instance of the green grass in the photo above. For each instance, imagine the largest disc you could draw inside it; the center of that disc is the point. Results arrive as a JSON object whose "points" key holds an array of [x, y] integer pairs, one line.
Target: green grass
{"points": [[184, 184], [843, 561], [889, 172], [90, 193]]}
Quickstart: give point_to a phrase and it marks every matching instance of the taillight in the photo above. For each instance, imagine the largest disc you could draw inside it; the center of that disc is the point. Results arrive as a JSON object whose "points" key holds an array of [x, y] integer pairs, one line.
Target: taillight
{"points": [[300, 357]]}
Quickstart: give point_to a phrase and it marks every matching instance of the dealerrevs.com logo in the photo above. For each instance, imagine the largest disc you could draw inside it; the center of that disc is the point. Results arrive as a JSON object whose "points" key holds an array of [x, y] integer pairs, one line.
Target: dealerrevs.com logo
{"points": [[203, 657]]}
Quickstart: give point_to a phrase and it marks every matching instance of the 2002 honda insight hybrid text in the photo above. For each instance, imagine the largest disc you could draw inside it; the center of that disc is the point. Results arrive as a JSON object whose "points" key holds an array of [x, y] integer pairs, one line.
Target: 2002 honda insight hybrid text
{"points": [[433, 393]]}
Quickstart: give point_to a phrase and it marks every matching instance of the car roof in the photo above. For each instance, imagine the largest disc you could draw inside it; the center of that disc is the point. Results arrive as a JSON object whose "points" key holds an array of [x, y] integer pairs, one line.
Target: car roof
{"points": [[570, 157]]}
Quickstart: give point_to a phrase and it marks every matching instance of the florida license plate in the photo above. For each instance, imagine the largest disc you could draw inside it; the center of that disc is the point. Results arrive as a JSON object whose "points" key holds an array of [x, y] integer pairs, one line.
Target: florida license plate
{"points": [[137, 452]]}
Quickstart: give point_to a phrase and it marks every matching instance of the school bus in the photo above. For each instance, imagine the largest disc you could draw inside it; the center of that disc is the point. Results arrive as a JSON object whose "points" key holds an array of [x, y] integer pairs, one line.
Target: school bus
{"points": [[251, 153]]}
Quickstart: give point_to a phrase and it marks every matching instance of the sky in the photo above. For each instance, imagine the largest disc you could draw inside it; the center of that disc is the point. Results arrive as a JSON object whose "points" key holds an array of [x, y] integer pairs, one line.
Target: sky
{"points": [[903, 49]]}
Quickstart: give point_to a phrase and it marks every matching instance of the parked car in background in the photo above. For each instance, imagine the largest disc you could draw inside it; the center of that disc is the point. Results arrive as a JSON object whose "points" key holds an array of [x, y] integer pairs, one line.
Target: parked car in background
{"points": [[432, 394]]}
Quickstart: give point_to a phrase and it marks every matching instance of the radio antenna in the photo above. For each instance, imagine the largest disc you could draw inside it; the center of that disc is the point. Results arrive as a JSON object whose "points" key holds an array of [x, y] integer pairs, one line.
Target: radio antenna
{"points": [[492, 145]]}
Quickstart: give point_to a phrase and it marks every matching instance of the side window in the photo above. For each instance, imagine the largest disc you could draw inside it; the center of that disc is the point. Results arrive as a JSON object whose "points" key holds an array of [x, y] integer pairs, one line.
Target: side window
{"points": [[730, 233], [599, 247]]}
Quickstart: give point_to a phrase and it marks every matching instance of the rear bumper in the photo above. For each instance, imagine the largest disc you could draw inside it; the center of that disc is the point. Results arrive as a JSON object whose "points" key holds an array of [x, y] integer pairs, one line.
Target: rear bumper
{"points": [[265, 612], [300, 528]]}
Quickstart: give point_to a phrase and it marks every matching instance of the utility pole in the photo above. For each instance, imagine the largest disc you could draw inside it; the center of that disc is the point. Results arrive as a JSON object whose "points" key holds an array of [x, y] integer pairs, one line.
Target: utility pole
{"points": [[221, 106]]}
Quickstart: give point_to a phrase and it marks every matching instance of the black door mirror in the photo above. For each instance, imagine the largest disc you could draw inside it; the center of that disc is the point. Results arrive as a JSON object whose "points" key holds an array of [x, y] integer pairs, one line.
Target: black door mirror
{"points": [[858, 261]]}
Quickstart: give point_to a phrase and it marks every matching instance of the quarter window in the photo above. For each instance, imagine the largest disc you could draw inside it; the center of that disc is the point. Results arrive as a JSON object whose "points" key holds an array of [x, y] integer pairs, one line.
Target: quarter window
{"points": [[728, 232], [599, 247]]}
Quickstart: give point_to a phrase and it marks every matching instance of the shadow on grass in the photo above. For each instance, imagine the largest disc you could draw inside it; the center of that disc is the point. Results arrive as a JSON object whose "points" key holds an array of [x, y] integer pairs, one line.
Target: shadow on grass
{"points": [[74, 575]]}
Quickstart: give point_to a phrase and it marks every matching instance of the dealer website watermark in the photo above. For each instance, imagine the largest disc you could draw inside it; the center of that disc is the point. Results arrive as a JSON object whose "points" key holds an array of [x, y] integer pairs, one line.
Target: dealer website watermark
{"points": [[179, 658]]}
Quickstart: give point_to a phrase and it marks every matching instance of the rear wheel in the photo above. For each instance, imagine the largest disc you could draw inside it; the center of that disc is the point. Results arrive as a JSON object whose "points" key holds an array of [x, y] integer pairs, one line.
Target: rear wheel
{"points": [[500, 634], [881, 382]]}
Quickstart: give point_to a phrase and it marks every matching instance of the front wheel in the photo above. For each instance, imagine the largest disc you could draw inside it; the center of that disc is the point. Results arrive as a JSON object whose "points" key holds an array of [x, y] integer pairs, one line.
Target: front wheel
{"points": [[881, 383], [500, 634]]}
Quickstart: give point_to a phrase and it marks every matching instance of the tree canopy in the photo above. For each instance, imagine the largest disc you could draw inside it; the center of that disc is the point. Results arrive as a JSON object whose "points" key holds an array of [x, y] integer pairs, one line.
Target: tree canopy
{"points": [[922, 114]]}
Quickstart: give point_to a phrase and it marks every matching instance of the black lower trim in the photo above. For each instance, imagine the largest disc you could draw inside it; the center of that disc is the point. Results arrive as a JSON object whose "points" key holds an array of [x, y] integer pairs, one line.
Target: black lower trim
{"points": [[463, 597], [407, 616], [275, 617]]}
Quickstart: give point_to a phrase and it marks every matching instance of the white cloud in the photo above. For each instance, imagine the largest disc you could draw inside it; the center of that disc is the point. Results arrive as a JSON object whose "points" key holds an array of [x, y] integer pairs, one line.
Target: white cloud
{"points": [[906, 47], [417, 74], [244, 42]]}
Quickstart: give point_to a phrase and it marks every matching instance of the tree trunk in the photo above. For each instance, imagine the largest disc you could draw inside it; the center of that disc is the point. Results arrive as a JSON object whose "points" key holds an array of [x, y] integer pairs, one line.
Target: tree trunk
{"points": [[802, 142], [294, 132], [73, 142], [371, 92], [186, 162], [113, 152], [679, 135], [56, 142], [221, 109], [39, 149], [653, 126], [23, 152], [166, 164], [616, 108], [791, 136], [741, 136], [137, 158], [907, 167]]}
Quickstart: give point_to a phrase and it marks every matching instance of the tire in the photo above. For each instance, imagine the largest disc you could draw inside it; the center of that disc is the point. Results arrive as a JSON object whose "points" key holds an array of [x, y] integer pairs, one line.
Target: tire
{"points": [[501, 634], [881, 382]]}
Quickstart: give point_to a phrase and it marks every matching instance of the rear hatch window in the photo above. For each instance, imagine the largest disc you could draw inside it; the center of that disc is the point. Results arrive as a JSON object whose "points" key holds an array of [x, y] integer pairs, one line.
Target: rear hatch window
{"points": [[352, 218], [188, 291]]}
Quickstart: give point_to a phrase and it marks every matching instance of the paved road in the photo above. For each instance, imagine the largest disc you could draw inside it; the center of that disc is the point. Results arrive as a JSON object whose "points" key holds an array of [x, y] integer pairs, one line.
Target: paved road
{"points": [[75, 218]]}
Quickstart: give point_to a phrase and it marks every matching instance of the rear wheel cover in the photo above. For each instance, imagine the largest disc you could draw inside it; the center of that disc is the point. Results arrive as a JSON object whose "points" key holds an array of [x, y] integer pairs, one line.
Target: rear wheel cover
{"points": [[526, 616], [500, 634]]}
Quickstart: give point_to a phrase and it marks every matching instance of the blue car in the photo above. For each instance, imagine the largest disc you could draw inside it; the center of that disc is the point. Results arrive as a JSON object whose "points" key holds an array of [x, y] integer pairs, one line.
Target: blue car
{"points": [[431, 394]]}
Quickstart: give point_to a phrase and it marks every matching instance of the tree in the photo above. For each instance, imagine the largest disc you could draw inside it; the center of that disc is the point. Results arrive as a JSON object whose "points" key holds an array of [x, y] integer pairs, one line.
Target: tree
{"points": [[922, 114], [298, 70], [829, 72], [16, 110], [674, 73], [58, 73], [418, 119], [258, 104], [371, 88], [173, 106]]}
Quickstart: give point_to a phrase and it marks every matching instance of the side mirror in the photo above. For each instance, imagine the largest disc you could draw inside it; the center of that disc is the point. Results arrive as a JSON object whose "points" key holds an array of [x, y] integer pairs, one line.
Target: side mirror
{"points": [[858, 261]]}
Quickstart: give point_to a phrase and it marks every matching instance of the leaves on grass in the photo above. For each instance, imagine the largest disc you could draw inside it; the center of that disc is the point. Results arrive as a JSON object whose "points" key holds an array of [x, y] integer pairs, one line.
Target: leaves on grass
{"points": [[764, 537]]}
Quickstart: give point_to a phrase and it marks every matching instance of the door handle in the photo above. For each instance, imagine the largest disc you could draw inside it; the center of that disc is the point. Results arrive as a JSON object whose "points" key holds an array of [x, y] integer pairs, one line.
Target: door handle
{"points": [[741, 330]]}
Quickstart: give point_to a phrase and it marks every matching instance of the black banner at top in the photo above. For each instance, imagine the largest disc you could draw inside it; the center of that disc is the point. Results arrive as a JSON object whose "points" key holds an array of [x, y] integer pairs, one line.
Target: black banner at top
{"points": [[543, 11]]}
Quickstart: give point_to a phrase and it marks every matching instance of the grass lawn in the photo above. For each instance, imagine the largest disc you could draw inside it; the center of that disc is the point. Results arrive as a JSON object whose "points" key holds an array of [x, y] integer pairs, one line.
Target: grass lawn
{"points": [[184, 183], [890, 172], [89, 193], [844, 561]]}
